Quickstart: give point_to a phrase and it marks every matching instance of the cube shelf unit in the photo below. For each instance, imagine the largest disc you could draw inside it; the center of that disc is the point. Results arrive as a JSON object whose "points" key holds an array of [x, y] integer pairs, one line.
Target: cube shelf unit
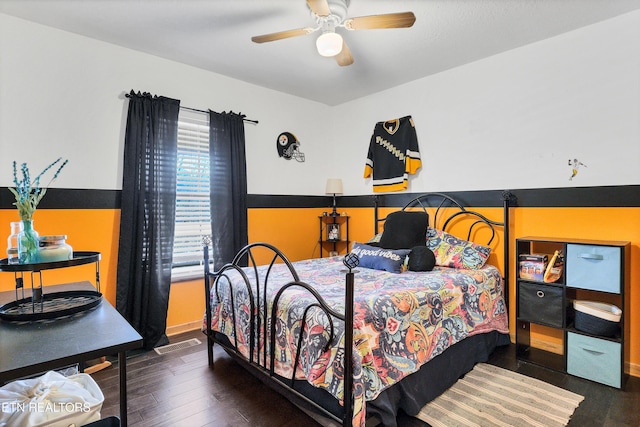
{"points": [[594, 270]]}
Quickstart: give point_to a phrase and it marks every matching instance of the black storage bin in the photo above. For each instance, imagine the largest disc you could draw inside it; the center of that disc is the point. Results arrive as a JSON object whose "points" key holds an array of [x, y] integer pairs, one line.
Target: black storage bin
{"points": [[597, 318], [541, 304]]}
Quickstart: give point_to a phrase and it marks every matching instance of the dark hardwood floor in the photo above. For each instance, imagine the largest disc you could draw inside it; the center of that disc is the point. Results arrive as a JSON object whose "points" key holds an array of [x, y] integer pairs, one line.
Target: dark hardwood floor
{"points": [[179, 389]]}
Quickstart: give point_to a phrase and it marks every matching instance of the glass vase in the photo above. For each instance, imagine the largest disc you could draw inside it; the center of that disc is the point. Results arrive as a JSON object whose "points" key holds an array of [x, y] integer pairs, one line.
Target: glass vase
{"points": [[12, 243], [28, 243]]}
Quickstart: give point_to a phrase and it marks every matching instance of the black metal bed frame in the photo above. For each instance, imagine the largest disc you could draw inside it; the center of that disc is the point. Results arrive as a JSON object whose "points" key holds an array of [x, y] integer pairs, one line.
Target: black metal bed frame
{"points": [[214, 280]]}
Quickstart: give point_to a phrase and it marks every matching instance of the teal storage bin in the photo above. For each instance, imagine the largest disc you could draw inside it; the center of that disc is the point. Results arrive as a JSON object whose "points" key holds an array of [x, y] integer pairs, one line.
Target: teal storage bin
{"points": [[594, 359], [594, 267]]}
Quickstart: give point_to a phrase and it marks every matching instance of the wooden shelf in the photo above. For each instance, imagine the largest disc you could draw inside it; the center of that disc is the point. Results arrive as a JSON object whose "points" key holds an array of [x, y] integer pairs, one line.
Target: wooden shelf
{"points": [[339, 223], [595, 270]]}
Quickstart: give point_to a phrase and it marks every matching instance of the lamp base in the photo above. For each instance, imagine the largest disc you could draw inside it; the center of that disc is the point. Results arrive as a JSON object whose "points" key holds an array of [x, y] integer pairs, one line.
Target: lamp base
{"points": [[334, 213]]}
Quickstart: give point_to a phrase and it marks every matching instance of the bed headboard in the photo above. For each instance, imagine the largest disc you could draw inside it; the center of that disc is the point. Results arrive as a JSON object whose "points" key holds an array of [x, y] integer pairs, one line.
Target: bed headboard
{"points": [[444, 211]]}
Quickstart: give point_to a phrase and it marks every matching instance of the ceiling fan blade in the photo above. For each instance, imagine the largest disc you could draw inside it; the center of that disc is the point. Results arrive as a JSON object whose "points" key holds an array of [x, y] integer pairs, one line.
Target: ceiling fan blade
{"points": [[319, 7], [281, 35], [389, 20], [344, 58]]}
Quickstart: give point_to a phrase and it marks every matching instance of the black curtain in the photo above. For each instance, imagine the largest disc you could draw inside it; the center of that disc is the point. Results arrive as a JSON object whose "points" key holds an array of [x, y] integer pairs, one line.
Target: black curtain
{"points": [[147, 218], [228, 186]]}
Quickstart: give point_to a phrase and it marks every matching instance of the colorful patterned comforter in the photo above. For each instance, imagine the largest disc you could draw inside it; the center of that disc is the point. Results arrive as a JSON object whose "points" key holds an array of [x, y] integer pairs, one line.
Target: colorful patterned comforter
{"points": [[401, 321]]}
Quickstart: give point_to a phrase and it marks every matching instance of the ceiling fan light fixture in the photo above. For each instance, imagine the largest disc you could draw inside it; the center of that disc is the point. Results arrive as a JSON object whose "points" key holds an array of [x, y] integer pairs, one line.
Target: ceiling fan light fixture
{"points": [[329, 44]]}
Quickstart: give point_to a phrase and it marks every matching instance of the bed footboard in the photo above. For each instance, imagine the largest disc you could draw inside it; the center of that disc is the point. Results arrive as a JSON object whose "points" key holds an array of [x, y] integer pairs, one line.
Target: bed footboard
{"points": [[256, 284]]}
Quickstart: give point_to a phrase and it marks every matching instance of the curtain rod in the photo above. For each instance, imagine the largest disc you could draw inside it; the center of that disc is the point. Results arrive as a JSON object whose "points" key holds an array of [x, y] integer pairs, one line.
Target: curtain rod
{"points": [[255, 122]]}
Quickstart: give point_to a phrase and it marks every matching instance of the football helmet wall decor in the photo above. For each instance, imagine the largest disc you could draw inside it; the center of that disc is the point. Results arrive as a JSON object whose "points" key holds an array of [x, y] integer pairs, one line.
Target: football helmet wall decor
{"points": [[289, 147]]}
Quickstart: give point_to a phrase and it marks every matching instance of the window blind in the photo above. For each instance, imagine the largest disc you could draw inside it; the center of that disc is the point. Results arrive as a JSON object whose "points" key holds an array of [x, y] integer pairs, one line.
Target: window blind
{"points": [[193, 214]]}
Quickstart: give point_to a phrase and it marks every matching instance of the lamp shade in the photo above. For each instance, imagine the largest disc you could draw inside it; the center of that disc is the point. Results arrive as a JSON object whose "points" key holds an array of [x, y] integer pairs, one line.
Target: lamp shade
{"points": [[329, 44], [334, 186]]}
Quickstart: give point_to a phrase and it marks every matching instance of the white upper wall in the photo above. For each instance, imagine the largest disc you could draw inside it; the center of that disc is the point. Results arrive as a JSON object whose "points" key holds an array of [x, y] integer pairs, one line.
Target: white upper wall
{"points": [[514, 120], [508, 121], [62, 95]]}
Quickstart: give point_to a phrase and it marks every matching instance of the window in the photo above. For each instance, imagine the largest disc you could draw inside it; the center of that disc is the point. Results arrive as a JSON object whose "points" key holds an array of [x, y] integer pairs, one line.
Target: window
{"points": [[193, 215]]}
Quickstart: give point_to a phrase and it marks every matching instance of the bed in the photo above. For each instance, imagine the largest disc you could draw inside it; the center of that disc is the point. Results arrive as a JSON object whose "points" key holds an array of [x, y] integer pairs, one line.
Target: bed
{"points": [[415, 330]]}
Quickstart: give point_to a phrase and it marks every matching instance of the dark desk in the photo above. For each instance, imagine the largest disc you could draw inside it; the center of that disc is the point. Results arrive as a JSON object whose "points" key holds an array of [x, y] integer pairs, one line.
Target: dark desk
{"points": [[29, 348]]}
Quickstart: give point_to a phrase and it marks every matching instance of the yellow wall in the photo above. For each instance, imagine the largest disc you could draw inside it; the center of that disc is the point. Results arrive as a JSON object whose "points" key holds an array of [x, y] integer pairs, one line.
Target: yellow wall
{"points": [[296, 231], [298, 240], [98, 230], [87, 230]]}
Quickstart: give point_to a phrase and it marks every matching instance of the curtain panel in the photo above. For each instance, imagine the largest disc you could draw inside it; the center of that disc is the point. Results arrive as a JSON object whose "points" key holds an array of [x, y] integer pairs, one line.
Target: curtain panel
{"points": [[228, 186], [147, 219]]}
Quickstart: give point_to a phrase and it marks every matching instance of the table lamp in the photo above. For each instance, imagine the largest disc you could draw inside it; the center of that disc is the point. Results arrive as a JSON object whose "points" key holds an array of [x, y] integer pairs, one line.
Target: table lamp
{"points": [[334, 186]]}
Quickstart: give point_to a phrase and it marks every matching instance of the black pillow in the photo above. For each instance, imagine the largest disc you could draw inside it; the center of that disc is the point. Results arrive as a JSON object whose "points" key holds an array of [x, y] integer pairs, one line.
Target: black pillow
{"points": [[404, 230], [421, 258]]}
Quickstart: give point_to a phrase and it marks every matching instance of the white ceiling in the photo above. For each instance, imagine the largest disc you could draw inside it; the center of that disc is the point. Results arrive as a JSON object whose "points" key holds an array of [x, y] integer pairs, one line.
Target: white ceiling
{"points": [[216, 35]]}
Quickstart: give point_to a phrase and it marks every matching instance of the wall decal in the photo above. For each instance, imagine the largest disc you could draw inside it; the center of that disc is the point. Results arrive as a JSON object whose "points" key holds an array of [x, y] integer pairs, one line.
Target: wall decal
{"points": [[289, 147], [575, 165]]}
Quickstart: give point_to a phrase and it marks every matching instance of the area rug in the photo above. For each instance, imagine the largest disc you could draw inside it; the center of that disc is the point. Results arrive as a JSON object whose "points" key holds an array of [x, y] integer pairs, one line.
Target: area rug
{"points": [[492, 396]]}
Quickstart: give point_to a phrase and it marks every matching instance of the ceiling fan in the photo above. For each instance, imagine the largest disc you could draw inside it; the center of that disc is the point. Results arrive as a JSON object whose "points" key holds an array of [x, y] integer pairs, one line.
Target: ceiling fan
{"points": [[331, 14]]}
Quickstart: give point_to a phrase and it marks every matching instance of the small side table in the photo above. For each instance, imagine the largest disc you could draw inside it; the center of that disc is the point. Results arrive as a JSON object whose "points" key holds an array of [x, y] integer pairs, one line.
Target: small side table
{"points": [[35, 270], [334, 234]]}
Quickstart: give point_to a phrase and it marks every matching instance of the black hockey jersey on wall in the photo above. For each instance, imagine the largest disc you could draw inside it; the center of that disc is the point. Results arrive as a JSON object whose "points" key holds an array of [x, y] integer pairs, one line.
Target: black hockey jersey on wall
{"points": [[393, 155]]}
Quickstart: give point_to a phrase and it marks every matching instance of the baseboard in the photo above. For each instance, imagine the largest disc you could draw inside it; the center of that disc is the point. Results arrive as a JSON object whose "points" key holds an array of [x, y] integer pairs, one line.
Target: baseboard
{"points": [[550, 346], [184, 327], [97, 367]]}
